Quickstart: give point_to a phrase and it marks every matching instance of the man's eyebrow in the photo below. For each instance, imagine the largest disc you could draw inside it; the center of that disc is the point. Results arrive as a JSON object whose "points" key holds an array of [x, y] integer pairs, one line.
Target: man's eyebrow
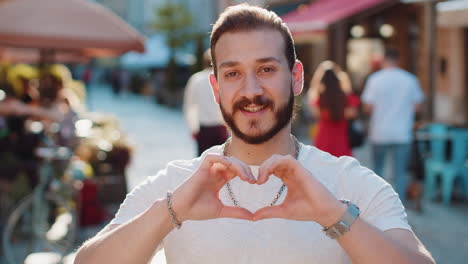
{"points": [[228, 64], [268, 59]]}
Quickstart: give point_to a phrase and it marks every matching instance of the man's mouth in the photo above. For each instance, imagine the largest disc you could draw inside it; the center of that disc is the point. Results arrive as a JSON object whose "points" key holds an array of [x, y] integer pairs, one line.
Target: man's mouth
{"points": [[253, 108]]}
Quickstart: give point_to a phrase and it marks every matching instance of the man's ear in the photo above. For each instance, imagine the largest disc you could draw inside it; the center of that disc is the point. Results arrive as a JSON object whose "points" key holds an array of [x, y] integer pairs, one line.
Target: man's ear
{"points": [[297, 77], [215, 87]]}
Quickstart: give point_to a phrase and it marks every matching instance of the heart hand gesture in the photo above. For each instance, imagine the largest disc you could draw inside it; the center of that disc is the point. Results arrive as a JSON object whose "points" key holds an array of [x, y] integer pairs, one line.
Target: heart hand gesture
{"points": [[198, 197], [307, 199]]}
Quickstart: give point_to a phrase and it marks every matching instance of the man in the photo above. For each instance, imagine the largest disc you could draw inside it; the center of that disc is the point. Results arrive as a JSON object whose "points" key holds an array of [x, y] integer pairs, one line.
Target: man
{"points": [[391, 97], [256, 76], [202, 112]]}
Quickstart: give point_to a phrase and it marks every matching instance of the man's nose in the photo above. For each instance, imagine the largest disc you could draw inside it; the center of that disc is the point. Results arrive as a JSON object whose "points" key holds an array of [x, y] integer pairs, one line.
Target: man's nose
{"points": [[252, 86]]}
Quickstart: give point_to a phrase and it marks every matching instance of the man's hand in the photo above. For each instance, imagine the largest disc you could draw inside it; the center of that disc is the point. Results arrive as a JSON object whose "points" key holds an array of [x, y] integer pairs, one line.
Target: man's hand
{"points": [[307, 199], [198, 197]]}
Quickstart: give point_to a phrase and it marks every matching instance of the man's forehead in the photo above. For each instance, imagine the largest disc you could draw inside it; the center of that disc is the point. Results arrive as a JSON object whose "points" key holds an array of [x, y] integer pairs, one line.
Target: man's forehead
{"points": [[254, 45]]}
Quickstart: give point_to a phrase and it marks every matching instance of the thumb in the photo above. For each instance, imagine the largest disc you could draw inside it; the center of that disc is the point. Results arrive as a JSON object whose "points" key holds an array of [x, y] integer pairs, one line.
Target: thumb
{"points": [[235, 212], [269, 212]]}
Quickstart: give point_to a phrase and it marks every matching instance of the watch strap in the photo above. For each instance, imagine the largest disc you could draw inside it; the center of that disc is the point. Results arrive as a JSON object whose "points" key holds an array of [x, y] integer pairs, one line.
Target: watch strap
{"points": [[344, 224]]}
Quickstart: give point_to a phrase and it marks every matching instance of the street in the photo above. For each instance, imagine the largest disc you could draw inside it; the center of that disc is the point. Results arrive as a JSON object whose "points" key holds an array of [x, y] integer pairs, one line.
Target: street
{"points": [[398, 66], [158, 134]]}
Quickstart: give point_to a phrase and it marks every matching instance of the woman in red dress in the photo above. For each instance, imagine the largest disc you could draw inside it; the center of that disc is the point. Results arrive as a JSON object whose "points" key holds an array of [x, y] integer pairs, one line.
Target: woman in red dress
{"points": [[332, 102]]}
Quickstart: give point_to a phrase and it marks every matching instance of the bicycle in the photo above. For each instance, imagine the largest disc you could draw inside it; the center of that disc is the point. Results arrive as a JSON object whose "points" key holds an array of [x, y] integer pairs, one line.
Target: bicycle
{"points": [[45, 220]]}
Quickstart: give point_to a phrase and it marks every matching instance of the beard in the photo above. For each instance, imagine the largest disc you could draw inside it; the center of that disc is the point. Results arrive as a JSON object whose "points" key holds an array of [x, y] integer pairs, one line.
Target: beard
{"points": [[282, 117]]}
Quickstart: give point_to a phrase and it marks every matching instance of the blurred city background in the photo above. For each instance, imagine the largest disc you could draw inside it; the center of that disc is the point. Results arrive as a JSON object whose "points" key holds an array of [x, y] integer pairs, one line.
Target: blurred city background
{"points": [[92, 93]]}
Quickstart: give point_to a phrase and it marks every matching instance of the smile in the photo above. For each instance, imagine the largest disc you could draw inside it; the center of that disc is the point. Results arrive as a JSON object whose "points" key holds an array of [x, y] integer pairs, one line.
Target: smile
{"points": [[253, 109]]}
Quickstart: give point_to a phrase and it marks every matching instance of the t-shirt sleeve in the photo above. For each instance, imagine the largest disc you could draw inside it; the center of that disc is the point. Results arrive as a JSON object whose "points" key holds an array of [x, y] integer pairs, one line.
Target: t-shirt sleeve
{"points": [[152, 189], [369, 95], [142, 197], [379, 204]]}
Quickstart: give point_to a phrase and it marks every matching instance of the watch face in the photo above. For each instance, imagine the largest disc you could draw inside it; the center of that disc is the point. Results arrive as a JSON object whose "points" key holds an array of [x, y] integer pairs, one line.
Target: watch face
{"points": [[342, 228]]}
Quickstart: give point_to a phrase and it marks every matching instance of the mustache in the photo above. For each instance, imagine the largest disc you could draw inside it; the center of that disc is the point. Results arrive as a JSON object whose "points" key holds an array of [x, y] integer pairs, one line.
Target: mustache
{"points": [[257, 100]]}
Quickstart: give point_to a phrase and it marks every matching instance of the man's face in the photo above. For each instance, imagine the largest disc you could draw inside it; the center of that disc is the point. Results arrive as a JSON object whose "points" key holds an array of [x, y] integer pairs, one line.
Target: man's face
{"points": [[255, 87]]}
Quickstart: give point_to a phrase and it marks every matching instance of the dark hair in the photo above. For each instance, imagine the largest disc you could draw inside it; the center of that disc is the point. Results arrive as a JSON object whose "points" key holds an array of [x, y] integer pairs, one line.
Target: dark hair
{"points": [[333, 98], [206, 59], [245, 17], [392, 54]]}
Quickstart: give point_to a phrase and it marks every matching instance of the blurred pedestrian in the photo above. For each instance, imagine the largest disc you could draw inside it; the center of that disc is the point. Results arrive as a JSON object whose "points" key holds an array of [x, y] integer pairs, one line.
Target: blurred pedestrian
{"points": [[391, 97], [201, 210], [201, 112], [115, 81], [124, 80], [333, 104]]}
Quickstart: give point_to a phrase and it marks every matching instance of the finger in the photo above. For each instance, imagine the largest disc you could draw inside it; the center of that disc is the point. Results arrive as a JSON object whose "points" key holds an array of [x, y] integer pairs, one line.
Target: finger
{"points": [[265, 171], [280, 162], [240, 171], [235, 212], [269, 212], [245, 168], [211, 159]]}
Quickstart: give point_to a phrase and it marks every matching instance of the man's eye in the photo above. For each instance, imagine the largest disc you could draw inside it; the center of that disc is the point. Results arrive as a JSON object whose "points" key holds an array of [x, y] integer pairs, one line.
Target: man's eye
{"points": [[268, 69], [231, 74]]}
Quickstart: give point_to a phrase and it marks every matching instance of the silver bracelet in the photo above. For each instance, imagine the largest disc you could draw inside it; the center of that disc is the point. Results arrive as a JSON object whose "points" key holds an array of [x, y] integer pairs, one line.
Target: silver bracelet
{"points": [[176, 223]]}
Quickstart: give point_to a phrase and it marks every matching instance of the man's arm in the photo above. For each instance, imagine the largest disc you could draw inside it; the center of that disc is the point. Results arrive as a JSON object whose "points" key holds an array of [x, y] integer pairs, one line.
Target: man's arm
{"points": [[365, 243], [368, 96], [367, 108], [133, 242], [309, 200], [195, 199]]}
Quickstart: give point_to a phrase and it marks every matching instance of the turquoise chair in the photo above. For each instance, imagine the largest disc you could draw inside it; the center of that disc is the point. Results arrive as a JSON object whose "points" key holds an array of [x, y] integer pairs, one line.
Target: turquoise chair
{"points": [[435, 162], [456, 165]]}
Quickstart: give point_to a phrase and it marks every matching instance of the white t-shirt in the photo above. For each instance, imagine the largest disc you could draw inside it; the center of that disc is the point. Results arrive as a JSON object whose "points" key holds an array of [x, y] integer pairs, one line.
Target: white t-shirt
{"points": [[273, 240], [200, 108], [393, 94]]}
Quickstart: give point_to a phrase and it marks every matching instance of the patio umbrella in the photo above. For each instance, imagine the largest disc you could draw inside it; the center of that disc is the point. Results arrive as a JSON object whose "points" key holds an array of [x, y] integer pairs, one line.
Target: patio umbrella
{"points": [[78, 26]]}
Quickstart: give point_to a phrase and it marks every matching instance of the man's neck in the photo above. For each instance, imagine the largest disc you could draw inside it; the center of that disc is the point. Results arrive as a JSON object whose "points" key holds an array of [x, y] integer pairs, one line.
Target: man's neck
{"points": [[389, 65], [282, 143]]}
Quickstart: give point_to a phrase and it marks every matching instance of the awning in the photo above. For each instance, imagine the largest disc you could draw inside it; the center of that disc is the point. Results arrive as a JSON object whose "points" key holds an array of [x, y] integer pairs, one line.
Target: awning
{"points": [[317, 16], [453, 13], [66, 25]]}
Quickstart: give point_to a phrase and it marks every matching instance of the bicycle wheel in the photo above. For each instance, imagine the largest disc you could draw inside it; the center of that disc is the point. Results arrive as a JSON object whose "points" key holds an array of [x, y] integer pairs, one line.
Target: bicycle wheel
{"points": [[47, 224]]}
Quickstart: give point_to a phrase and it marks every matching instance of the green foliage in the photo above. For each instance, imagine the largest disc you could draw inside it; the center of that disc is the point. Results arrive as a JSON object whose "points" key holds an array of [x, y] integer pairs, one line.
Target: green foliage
{"points": [[174, 20]]}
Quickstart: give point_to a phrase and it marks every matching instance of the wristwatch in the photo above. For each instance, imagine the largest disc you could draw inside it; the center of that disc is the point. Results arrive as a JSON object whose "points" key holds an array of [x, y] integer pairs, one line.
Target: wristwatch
{"points": [[344, 224]]}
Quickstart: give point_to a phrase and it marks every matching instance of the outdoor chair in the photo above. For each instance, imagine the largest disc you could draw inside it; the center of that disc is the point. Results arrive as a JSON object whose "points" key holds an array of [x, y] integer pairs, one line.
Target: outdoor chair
{"points": [[434, 155], [439, 164], [456, 165]]}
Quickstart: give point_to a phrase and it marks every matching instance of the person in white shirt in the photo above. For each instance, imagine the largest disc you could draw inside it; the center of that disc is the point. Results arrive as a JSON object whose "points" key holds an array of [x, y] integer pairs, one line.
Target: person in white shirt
{"points": [[201, 112], [261, 197], [391, 97]]}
